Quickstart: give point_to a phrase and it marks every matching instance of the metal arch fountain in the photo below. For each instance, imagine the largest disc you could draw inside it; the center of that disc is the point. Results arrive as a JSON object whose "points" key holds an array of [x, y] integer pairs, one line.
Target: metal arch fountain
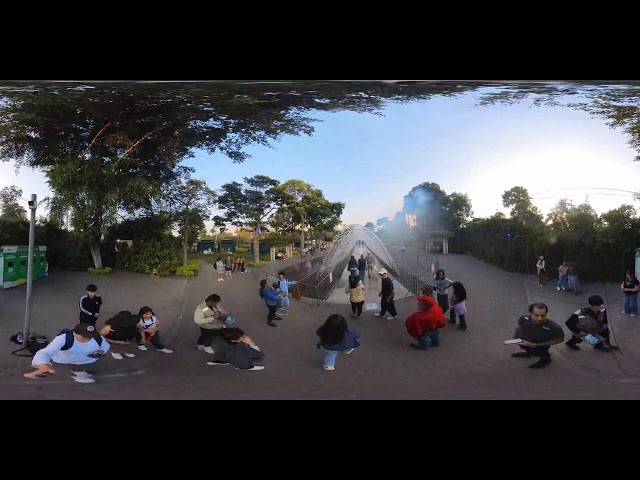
{"points": [[345, 243]]}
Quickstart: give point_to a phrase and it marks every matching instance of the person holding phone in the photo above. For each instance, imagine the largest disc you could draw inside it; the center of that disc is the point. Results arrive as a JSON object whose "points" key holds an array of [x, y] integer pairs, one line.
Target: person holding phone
{"points": [[538, 334]]}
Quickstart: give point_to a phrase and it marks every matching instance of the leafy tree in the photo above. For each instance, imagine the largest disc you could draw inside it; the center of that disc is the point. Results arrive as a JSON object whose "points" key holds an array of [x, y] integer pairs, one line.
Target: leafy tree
{"points": [[10, 209], [250, 205], [428, 202], [458, 210], [370, 226], [522, 209]]}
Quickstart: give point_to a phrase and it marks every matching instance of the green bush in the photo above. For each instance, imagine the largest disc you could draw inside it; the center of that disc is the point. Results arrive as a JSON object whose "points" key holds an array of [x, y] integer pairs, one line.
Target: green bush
{"points": [[153, 257], [242, 251], [259, 264], [185, 272], [104, 271]]}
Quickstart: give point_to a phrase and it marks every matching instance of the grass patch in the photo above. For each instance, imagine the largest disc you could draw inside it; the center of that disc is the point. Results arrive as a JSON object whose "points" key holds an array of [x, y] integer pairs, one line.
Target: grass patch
{"points": [[104, 271]]}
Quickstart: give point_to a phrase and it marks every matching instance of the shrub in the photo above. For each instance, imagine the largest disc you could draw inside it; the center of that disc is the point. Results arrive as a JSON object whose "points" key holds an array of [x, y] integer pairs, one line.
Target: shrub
{"points": [[104, 271]]}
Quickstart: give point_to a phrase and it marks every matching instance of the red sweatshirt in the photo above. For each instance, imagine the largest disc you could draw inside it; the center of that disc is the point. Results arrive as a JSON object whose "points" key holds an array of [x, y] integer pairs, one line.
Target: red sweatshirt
{"points": [[425, 321]]}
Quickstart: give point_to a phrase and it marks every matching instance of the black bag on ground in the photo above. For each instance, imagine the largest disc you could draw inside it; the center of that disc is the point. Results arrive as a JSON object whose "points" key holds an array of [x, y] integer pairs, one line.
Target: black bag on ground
{"points": [[35, 343]]}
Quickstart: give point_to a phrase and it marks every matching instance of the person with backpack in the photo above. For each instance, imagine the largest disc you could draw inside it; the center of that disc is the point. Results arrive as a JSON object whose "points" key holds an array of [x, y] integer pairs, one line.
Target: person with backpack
{"points": [[78, 348]]}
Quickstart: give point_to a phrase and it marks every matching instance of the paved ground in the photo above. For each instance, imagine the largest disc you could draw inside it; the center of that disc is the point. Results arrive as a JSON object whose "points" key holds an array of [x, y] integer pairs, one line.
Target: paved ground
{"points": [[468, 365]]}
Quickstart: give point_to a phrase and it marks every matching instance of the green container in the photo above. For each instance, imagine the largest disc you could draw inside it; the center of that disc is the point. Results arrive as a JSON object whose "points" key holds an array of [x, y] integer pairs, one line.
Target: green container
{"points": [[13, 265]]}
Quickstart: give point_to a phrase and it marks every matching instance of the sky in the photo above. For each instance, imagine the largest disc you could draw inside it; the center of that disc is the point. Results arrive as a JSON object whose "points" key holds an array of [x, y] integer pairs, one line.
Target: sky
{"points": [[371, 162]]}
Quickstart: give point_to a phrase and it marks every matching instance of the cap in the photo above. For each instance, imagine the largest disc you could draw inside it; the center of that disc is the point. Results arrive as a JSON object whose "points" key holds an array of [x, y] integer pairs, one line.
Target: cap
{"points": [[86, 330], [426, 300], [382, 272]]}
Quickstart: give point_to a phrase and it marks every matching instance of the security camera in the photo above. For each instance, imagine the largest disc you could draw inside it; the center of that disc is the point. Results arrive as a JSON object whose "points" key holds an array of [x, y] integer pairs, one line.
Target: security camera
{"points": [[32, 204]]}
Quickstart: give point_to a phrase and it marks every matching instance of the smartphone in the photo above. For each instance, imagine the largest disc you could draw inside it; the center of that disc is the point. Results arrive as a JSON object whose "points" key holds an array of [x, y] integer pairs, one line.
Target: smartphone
{"points": [[513, 341]]}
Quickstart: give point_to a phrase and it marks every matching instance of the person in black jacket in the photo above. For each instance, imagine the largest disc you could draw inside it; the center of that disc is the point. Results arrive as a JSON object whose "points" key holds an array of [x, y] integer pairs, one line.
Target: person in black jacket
{"points": [[238, 350], [591, 320], [90, 305]]}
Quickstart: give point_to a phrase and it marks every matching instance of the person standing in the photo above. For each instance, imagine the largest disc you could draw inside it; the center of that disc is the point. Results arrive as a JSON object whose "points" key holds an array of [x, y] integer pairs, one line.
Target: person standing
{"points": [[387, 294], [353, 266], [284, 287], [426, 324], [459, 306], [355, 290], [539, 334], [362, 267], [90, 305], [591, 321], [562, 277], [630, 287], [541, 268], [371, 265], [442, 285]]}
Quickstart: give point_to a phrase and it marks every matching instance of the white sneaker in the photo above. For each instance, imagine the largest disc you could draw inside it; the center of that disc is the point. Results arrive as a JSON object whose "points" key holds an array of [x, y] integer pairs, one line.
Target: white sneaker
{"points": [[165, 350], [217, 364], [129, 355], [329, 369], [349, 352], [143, 348], [82, 374], [201, 348], [377, 315], [209, 350], [83, 379], [391, 318], [117, 356], [252, 369], [632, 315]]}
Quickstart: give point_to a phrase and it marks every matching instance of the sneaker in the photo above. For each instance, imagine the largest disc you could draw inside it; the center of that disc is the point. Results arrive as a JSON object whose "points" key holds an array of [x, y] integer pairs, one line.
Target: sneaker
{"points": [[83, 379], [632, 314], [392, 318], [218, 364], [143, 348], [82, 374], [129, 355], [572, 346], [377, 315], [271, 324], [541, 363], [624, 313], [117, 356], [252, 369], [209, 350], [349, 352], [558, 288], [521, 355], [465, 329], [165, 350], [329, 369], [201, 348]]}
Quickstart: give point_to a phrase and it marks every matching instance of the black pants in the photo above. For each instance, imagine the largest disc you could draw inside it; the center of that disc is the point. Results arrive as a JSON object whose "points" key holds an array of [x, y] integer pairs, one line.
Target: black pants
{"points": [[390, 307], [207, 336], [576, 340], [155, 340], [356, 308], [443, 302], [272, 313], [542, 352]]}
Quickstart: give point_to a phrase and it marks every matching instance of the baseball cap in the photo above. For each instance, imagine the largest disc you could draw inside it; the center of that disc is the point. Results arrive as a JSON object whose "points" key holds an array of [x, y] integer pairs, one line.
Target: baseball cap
{"points": [[382, 272], [86, 330]]}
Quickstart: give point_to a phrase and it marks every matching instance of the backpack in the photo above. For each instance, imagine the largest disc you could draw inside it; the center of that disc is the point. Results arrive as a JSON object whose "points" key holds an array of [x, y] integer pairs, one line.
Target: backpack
{"points": [[38, 342], [68, 343]]}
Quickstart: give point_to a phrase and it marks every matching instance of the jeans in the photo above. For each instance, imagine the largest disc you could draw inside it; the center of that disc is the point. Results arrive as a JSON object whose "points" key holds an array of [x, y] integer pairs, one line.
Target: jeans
{"points": [[429, 339], [330, 357], [574, 284], [631, 304], [562, 281], [452, 320], [207, 336], [286, 302], [363, 275], [155, 340]]}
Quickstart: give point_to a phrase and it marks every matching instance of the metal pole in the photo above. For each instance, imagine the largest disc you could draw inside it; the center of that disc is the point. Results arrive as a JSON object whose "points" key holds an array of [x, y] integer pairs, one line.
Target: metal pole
{"points": [[32, 236]]}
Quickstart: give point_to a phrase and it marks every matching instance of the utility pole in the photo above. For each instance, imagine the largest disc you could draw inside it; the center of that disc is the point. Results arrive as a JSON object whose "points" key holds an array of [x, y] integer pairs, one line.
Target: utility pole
{"points": [[33, 205]]}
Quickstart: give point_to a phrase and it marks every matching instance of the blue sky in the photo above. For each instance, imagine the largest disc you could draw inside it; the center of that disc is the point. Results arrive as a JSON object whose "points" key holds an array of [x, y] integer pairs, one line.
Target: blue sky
{"points": [[370, 162]]}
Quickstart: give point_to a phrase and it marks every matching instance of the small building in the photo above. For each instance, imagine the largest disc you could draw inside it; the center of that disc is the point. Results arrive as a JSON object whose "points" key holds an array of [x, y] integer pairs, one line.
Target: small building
{"points": [[226, 245], [13, 265]]}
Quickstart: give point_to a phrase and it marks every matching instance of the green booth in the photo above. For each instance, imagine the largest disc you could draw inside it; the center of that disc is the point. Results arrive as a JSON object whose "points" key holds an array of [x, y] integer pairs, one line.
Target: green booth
{"points": [[13, 265]]}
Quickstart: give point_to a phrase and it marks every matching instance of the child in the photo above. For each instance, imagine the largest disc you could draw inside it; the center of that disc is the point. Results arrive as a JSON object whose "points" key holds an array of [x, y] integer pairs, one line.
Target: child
{"points": [[443, 284], [90, 305], [271, 298], [335, 337], [355, 290], [284, 286], [238, 350], [459, 306], [148, 326]]}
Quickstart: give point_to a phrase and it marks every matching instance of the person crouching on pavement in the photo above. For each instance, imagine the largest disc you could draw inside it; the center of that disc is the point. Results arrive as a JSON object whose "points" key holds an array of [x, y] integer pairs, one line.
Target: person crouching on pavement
{"points": [[237, 350], [591, 320], [539, 334], [426, 324]]}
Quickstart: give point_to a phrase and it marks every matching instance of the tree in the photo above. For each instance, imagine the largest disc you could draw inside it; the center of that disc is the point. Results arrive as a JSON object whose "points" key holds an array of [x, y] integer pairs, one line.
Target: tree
{"points": [[458, 211], [10, 209], [428, 202], [190, 202], [308, 206], [250, 205], [522, 209], [370, 226]]}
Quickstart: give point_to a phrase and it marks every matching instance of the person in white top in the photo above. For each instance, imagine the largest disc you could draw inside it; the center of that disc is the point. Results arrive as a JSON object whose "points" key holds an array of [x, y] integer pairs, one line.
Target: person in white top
{"points": [[79, 347], [148, 330], [541, 268]]}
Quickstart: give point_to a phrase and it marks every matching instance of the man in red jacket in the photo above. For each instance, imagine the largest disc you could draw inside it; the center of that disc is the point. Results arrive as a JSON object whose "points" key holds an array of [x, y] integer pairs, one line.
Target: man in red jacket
{"points": [[426, 324]]}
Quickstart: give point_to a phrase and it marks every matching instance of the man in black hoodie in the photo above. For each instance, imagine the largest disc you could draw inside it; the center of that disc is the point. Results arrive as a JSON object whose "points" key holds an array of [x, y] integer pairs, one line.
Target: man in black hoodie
{"points": [[591, 323]]}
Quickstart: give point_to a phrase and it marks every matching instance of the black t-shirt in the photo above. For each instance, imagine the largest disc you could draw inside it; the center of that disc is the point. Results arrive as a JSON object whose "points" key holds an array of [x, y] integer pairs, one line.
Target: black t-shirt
{"points": [[631, 284], [387, 289], [533, 333]]}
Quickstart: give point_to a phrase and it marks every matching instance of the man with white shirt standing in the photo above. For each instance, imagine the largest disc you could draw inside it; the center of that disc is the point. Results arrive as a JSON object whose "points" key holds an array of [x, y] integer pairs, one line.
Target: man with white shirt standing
{"points": [[78, 348]]}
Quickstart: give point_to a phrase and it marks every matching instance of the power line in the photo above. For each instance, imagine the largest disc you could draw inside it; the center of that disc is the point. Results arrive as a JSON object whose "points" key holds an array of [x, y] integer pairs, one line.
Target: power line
{"points": [[586, 188]]}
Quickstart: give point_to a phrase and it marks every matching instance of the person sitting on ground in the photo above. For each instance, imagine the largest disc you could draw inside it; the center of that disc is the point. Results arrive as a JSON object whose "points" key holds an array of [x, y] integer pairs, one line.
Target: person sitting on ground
{"points": [[210, 317], [336, 337], [539, 334], [148, 326], [237, 350], [591, 320], [78, 348], [426, 324]]}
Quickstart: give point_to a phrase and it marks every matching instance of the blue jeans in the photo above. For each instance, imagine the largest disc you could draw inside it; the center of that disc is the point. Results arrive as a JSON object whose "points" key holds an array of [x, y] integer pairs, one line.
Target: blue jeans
{"points": [[363, 275], [330, 356], [452, 319], [429, 339], [285, 301], [630, 304], [562, 281]]}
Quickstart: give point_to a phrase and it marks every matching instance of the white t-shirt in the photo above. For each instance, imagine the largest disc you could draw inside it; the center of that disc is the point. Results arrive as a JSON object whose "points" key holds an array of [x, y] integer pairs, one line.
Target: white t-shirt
{"points": [[148, 323], [78, 354]]}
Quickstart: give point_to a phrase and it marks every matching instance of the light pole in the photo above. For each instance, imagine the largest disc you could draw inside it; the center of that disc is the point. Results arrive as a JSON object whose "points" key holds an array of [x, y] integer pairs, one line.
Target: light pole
{"points": [[33, 205]]}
